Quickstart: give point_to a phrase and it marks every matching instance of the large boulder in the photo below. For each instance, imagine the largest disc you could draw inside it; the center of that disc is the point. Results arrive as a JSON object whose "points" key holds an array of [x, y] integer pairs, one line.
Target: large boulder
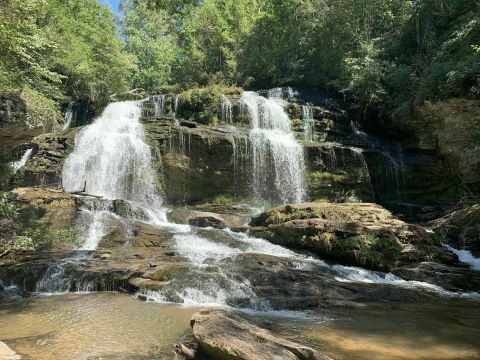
{"points": [[359, 234], [222, 335]]}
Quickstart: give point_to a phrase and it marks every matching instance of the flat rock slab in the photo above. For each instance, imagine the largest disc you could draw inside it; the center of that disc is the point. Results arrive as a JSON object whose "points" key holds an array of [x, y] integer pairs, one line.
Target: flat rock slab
{"points": [[8, 354], [222, 335]]}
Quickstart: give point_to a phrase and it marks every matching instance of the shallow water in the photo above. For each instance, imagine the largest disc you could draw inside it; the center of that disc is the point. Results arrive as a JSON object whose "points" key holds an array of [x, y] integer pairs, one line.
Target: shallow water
{"points": [[91, 326], [116, 326], [395, 332]]}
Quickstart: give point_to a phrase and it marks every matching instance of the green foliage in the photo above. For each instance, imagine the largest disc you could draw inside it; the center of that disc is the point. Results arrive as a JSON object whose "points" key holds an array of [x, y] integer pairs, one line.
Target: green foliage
{"points": [[88, 52], [41, 111], [5, 169], [8, 207], [150, 37], [55, 50], [25, 48]]}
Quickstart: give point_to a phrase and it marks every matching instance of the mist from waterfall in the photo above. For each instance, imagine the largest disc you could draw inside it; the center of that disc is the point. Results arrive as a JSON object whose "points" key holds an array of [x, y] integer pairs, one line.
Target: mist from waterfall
{"points": [[278, 164]]}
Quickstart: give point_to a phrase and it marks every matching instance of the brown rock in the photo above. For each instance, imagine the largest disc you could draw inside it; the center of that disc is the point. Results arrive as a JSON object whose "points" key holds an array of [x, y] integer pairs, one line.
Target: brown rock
{"points": [[222, 335]]}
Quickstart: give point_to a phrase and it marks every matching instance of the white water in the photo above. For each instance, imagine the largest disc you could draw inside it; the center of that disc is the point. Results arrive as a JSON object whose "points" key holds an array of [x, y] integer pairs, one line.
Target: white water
{"points": [[277, 158], [308, 123], [112, 160], [17, 165], [68, 116], [466, 257], [227, 113], [159, 102]]}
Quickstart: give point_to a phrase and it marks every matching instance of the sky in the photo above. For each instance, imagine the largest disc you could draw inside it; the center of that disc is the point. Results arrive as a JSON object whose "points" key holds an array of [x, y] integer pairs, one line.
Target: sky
{"points": [[113, 4]]}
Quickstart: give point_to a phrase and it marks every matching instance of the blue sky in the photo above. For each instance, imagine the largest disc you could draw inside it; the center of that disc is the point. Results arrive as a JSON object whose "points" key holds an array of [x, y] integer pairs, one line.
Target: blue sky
{"points": [[113, 4]]}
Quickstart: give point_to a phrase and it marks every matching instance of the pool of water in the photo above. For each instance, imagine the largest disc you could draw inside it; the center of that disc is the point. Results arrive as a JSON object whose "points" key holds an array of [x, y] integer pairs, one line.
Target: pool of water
{"points": [[93, 326], [116, 326]]}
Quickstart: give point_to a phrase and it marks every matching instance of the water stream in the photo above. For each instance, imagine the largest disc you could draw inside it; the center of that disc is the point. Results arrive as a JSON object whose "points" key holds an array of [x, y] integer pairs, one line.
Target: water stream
{"points": [[17, 165], [277, 158], [68, 116]]}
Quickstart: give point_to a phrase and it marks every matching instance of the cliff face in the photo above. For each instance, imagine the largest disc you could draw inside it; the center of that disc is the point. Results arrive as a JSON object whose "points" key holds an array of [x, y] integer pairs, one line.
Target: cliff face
{"points": [[201, 156], [452, 129]]}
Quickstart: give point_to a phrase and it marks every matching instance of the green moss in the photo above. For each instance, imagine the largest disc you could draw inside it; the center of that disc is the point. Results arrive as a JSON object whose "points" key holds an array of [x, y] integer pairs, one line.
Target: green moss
{"points": [[204, 104], [334, 213], [294, 111]]}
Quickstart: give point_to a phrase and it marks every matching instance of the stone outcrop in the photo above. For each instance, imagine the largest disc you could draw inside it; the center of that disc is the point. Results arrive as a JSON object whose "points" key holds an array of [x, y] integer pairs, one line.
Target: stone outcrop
{"points": [[461, 228], [195, 163], [223, 335], [45, 166], [359, 234], [207, 219]]}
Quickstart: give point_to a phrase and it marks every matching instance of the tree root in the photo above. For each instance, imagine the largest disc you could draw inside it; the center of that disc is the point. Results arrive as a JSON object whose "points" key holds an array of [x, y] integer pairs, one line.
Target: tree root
{"points": [[184, 351]]}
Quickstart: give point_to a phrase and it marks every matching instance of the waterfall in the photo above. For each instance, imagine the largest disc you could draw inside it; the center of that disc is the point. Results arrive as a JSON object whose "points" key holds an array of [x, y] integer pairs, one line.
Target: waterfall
{"points": [[227, 114], [159, 101], [308, 122], [465, 257], [17, 165], [393, 171], [281, 93], [68, 116], [112, 160], [277, 158]]}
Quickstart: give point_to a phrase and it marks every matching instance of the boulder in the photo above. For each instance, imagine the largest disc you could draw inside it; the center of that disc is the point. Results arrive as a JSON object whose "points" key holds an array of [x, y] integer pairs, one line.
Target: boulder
{"points": [[358, 234], [223, 335]]}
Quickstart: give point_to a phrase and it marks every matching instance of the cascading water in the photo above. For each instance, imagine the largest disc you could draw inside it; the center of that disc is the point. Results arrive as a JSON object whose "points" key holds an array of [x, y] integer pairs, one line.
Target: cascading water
{"points": [[466, 257], [17, 165], [277, 158], [68, 116], [159, 101], [112, 160], [308, 123], [393, 169], [227, 113]]}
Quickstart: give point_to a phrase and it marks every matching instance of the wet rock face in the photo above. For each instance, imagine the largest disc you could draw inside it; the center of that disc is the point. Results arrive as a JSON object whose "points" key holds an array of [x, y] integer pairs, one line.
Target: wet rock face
{"points": [[44, 168], [451, 128], [337, 173], [222, 335], [194, 163], [12, 109], [354, 234]]}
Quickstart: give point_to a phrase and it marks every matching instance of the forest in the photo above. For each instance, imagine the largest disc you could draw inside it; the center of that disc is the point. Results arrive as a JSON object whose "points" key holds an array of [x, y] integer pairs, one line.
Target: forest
{"points": [[386, 55]]}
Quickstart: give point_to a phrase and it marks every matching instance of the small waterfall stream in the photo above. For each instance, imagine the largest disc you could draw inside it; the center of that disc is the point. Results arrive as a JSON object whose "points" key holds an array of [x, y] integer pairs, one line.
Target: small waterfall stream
{"points": [[17, 165], [277, 157], [227, 111], [308, 123], [160, 103], [68, 116]]}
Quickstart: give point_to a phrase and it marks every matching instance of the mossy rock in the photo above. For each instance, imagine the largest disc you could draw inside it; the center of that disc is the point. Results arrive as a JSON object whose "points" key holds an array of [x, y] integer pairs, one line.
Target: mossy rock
{"points": [[352, 233]]}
